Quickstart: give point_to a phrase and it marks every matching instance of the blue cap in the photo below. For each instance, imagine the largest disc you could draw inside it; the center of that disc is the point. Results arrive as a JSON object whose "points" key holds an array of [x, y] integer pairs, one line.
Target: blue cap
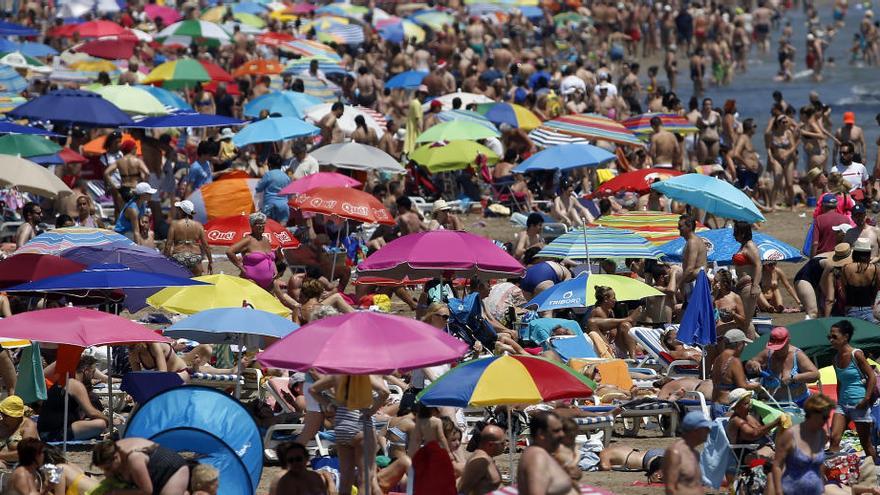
{"points": [[829, 199], [695, 420]]}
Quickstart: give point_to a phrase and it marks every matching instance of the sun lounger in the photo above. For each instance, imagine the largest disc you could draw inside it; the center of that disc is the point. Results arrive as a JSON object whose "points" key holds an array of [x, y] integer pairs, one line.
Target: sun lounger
{"points": [[649, 339], [636, 411], [249, 382], [588, 425]]}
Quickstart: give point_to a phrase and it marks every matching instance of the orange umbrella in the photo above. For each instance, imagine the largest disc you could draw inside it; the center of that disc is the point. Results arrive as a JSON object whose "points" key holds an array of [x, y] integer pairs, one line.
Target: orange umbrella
{"points": [[259, 67], [96, 146], [343, 202], [224, 198]]}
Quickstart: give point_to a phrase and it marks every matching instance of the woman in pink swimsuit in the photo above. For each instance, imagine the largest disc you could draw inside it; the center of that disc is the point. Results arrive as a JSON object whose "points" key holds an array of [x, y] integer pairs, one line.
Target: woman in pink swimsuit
{"points": [[257, 262]]}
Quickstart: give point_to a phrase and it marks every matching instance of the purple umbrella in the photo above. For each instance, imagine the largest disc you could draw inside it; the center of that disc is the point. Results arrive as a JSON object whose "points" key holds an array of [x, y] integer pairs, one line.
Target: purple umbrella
{"points": [[363, 343], [441, 253]]}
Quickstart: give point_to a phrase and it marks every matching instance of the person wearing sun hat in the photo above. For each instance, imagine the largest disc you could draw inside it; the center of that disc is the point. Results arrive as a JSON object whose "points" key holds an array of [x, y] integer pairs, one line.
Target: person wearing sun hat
{"points": [[443, 218], [743, 427], [14, 427], [788, 368], [859, 279], [728, 372]]}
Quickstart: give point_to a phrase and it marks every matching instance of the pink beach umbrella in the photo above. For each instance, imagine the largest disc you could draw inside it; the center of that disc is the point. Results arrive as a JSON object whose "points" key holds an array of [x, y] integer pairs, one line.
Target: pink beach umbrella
{"points": [[320, 179], [76, 326], [363, 343], [441, 254], [169, 15]]}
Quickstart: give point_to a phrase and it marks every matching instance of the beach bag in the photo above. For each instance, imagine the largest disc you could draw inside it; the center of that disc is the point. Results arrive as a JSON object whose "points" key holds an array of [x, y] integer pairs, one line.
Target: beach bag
{"points": [[31, 385], [843, 469]]}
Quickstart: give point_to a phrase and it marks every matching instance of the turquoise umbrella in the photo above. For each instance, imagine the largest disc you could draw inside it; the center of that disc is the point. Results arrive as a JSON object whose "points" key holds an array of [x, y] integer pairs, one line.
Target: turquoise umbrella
{"points": [[274, 129], [283, 103], [712, 195]]}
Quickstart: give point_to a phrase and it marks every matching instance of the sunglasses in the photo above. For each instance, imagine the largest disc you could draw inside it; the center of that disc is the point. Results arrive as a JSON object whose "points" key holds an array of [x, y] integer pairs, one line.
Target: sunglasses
{"points": [[444, 316]]}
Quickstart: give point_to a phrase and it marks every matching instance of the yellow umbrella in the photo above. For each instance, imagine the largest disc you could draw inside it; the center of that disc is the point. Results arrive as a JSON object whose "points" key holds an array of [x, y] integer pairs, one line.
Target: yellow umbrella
{"points": [[214, 14], [226, 292], [94, 66], [282, 16]]}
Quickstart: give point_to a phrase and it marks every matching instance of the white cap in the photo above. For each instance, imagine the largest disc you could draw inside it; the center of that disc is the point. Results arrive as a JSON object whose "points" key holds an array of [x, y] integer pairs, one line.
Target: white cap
{"points": [[844, 228], [736, 335], [144, 188], [186, 206], [226, 133]]}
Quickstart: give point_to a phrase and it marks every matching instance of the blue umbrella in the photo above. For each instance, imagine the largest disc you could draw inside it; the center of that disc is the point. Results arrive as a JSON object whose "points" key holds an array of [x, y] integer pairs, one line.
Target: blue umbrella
{"points": [[712, 195], [410, 79], [225, 325], [170, 99], [185, 120], [11, 29], [722, 246], [33, 49], [565, 157], [249, 8], [698, 322], [284, 103], [393, 32], [11, 81], [71, 106], [105, 277], [7, 127], [54, 159], [273, 129]]}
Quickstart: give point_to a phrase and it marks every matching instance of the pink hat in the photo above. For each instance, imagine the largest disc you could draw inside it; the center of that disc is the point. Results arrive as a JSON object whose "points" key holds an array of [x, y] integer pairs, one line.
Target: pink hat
{"points": [[779, 337]]}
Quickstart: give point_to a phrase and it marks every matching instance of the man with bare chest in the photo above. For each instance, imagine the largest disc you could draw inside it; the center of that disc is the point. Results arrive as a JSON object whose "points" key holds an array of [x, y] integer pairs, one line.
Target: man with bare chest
{"points": [[664, 146], [681, 461], [538, 472], [481, 475]]}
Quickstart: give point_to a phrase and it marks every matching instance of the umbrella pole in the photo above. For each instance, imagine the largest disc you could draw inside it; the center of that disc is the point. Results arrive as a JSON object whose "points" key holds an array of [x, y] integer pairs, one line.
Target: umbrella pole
{"points": [[66, 412], [238, 375], [369, 452], [586, 247], [512, 446], [110, 386]]}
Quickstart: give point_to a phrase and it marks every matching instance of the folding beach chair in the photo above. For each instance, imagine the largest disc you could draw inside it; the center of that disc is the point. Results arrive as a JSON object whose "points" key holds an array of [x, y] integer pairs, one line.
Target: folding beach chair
{"points": [[719, 456], [666, 414], [589, 425], [649, 339], [466, 321]]}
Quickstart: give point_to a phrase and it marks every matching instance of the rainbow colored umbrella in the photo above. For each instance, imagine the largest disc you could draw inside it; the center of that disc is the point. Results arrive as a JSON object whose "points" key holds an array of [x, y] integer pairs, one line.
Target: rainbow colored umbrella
{"points": [[676, 124], [603, 242], [592, 127], [656, 227], [177, 74], [510, 114]]}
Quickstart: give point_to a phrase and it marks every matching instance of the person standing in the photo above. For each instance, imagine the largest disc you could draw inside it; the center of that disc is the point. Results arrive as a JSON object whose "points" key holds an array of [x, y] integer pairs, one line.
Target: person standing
{"points": [[856, 384], [799, 456], [274, 204], [303, 164], [789, 369], [414, 120], [538, 473], [824, 237], [481, 475], [187, 243], [665, 149], [849, 132], [693, 256], [134, 209], [748, 263], [855, 174], [331, 133], [681, 461]]}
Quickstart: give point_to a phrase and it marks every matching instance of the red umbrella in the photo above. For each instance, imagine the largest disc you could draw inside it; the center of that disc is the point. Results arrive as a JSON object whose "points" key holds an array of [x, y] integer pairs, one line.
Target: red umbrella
{"points": [[638, 181], [216, 73], [168, 15], [99, 28], [64, 31], [111, 48], [70, 156], [320, 179], [274, 39], [343, 202], [29, 267], [231, 88], [226, 231]]}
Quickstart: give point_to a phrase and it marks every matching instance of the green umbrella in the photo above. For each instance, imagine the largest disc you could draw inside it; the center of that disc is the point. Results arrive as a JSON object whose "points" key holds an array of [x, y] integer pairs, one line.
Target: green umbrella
{"points": [[811, 336], [455, 155], [26, 145], [456, 130]]}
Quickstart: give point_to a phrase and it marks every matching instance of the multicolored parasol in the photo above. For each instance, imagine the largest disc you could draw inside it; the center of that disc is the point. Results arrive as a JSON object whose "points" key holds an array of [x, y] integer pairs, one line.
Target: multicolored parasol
{"points": [[593, 127], [676, 124]]}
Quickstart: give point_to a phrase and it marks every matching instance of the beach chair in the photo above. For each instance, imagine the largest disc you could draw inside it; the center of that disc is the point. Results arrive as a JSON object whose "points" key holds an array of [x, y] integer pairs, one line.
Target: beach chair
{"points": [[719, 455], [589, 425], [636, 411], [649, 339], [466, 321]]}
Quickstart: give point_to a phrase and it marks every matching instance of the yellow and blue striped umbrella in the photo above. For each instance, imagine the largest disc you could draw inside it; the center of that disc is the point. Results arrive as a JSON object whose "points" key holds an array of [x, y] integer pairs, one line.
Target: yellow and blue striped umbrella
{"points": [[603, 242]]}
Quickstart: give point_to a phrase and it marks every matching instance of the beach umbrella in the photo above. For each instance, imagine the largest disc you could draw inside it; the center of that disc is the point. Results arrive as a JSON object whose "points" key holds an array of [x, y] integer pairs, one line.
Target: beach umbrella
{"points": [[547, 138], [23, 268], [57, 240], [326, 65], [454, 155], [7, 127], [249, 8], [273, 129], [176, 120], [363, 343], [721, 246], [177, 74], [712, 195], [132, 100], [637, 181], [27, 145], [580, 291], [396, 30], [566, 157], [343, 202], [17, 60], [309, 48], [33, 49], [169, 15], [373, 119], [27, 176], [71, 106], [322, 89], [225, 197], [284, 103], [343, 10], [592, 127], [656, 227], [225, 325], [356, 156], [342, 34], [226, 231], [225, 291], [98, 29], [119, 47], [320, 179], [258, 67], [603, 242], [104, 277], [441, 253], [12, 29], [274, 39], [171, 100], [698, 321], [95, 147], [456, 130], [676, 124], [811, 337], [466, 99], [192, 30], [11, 81], [216, 73], [466, 115], [433, 19], [410, 79], [78, 327], [511, 114]]}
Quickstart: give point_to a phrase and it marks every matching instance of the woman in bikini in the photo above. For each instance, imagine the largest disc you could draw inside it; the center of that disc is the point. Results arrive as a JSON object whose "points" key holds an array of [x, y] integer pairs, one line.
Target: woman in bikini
{"points": [[728, 372], [148, 466], [676, 349], [156, 356], [74, 481], [257, 261], [709, 142], [187, 243], [606, 329], [815, 138], [748, 262], [771, 294], [312, 298], [781, 160]]}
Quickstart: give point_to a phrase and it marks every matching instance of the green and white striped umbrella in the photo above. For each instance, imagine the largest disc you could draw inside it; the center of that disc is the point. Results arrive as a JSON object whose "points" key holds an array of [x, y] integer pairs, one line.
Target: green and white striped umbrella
{"points": [[603, 242], [193, 30]]}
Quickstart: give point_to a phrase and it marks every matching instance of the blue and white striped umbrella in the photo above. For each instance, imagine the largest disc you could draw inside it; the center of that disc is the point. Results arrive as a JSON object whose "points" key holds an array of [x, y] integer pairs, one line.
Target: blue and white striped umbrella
{"points": [[301, 65], [347, 34], [721, 246], [11, 81], [547, 138], [603, 242]]}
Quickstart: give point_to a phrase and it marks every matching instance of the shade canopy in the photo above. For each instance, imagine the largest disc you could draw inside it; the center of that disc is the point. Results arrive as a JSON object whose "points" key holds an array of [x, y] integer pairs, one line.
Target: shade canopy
{"points": [[566, 157], [320, 179], [225, 325], [713, 195], [72, 106], [104, 277], [23, 268], [356, 156], [811, 337], [580, 292], [343, 202], [273, 129], [76, 326], [225, 291], [28, 176], [603, 242], [721, 247], [58, 240]]}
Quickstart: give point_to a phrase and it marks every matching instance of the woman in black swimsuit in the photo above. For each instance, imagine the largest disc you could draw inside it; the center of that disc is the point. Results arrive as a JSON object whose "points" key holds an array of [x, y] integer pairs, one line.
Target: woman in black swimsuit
{"points": [[147, 465]]}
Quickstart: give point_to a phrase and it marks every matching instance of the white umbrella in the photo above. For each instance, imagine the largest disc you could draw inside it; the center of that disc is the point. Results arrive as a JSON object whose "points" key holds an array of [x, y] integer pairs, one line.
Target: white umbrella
{"points": [[30, 177], [356, 156], [346, 122], [466, 99]]}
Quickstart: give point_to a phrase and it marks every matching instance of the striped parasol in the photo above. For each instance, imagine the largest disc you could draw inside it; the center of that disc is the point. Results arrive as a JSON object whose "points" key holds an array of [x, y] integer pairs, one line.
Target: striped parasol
{"points": [[58, 240], [309, 48], [676, 124], [323, 90], [593, 127], [604, 242], [657, 227], [192, 30], [325, 65], [374, 119], [343, 34], [547, 138]]}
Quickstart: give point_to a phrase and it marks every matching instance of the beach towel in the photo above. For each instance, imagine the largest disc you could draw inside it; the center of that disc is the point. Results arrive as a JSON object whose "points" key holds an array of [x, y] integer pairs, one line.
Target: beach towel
{"points": [[541, 329], [716, 458], [433, 471], [31, 385]]}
